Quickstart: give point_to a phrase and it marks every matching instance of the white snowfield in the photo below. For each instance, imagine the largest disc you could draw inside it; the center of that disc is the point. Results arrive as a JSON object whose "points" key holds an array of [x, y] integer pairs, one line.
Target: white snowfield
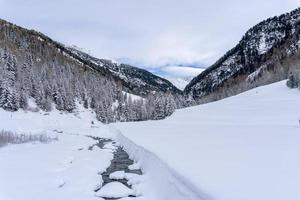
{"points": [[241, 148], [63, 169], [67, 169]]}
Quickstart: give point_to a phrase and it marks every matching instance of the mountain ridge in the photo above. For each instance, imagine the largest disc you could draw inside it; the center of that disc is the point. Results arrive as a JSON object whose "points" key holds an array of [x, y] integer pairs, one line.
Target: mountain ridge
{"points": [[262, 56], [106, 66]]}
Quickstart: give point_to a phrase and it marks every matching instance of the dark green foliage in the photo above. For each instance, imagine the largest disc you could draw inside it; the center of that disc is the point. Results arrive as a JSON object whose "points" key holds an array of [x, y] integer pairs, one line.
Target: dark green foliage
{"points": [[293, 81]]}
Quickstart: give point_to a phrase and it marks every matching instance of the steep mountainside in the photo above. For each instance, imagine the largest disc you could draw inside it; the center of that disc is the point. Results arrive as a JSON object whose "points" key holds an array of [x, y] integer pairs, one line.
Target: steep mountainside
{"points": [[133, 79], [34, 66], [268, 52]]}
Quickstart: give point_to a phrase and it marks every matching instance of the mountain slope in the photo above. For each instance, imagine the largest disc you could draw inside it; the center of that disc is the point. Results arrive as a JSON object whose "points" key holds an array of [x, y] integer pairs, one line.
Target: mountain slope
{"points": [[268, 52], [34, 66], [135, 80]]}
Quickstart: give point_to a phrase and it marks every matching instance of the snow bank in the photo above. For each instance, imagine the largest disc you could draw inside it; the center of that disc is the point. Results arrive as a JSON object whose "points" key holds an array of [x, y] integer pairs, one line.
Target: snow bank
{"points": [[160, 182]]}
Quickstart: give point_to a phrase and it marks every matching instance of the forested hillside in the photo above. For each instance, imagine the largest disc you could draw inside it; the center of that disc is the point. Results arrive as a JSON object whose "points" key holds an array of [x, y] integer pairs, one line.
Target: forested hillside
{"points": [[34, 66]]}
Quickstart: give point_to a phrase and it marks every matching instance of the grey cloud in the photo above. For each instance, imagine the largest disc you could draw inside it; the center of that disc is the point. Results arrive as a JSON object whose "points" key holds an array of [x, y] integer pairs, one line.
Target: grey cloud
{"points": [[150, 32]]}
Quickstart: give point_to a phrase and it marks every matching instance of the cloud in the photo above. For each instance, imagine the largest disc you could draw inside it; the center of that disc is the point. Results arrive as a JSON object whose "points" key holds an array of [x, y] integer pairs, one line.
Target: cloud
{"points": [[150, 33], [182, 71]]}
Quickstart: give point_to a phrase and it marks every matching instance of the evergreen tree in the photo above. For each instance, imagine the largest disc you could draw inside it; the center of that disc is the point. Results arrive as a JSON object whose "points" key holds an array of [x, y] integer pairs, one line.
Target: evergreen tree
{"points": [[170, 105]]}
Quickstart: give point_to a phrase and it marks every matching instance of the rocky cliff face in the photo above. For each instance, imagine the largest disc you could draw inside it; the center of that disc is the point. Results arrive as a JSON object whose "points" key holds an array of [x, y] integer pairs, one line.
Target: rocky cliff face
{"points": [[268, 52]]}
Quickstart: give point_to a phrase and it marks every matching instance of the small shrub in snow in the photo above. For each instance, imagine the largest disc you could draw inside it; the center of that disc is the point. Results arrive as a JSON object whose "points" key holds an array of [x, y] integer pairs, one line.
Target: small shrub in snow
{"points": [[9, 137], [293, 81]]}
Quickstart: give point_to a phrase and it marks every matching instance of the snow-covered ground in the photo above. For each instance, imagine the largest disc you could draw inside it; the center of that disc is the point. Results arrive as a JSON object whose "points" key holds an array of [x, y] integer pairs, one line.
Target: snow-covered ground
{"points": [[62, 169], [241, 148], [67, 169]]}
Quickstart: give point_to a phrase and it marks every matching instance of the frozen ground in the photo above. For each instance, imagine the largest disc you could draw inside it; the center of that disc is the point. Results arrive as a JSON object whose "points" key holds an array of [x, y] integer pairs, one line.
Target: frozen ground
{"points": [[241, 148]]}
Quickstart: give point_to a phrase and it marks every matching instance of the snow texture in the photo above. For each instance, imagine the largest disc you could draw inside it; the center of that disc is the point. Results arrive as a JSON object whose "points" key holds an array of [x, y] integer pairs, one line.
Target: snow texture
{"points": [[114, 190], [243, 147], [69, 168], [117, 175]]}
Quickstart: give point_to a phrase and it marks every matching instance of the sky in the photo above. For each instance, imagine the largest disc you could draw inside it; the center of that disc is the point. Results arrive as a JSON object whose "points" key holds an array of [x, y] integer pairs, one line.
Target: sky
{"points": [[152, 34]]}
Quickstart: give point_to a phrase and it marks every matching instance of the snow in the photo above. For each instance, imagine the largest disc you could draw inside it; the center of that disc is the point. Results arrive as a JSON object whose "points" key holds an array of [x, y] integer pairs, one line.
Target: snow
{"points": [[60, 170], [132, 96], [41, 39], [67, 169], [114, 190], [241, 148], [263, 46], [79, 122], [115, 62], [179, 76], [117, 175], [134, 166], [133, 179], [159, 182], [179, 82]]}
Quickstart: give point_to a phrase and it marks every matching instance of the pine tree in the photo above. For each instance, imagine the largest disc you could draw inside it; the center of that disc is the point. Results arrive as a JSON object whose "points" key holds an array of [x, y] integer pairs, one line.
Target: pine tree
{"points": [[23, 100], [101, 114], [9, 96], [159, 107], [170, 105], [8, 99]]}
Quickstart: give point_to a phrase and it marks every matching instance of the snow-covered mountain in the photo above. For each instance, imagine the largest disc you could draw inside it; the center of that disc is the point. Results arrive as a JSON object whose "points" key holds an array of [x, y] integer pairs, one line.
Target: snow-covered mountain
{"points": [[134, 80], [33, 66], [179, 82], [268, 52], [179, 75]]}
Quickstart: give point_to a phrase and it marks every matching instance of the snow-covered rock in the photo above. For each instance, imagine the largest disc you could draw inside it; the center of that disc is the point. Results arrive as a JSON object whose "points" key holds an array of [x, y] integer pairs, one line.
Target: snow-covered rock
{"points": [[117, 175], [114, 190]]}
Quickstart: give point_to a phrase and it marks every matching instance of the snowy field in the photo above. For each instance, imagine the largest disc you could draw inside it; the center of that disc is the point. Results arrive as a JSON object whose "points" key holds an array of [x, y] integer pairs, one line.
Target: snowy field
{"points": [[241, 148], [66, 168], [62, 169]]}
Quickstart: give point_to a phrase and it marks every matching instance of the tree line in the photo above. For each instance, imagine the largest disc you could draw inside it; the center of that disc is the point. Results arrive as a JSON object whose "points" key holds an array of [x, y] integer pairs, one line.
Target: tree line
{"points": [[59, 83]]}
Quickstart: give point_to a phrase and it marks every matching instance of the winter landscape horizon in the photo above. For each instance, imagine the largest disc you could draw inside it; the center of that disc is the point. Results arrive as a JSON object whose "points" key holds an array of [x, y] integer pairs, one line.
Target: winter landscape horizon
{"points": [[156, 100]]}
